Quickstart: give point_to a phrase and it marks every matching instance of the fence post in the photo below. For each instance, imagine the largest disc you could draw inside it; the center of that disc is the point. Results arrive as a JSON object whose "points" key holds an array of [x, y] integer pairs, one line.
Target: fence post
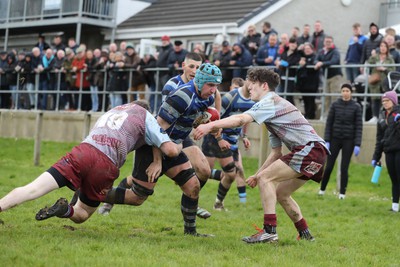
{"points": [[38, 138], [86, 126]]}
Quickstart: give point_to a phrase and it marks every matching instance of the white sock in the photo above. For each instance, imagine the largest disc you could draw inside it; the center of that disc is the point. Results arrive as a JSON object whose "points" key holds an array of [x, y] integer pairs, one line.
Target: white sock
{"points": [[342, 196], [395, 206], [321, 193]]}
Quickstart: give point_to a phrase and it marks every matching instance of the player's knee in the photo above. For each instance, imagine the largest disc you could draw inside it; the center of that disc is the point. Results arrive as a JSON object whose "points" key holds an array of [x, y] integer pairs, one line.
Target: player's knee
{"points": [[203, 171], [281, 197], [192, 188], [141, 192]]}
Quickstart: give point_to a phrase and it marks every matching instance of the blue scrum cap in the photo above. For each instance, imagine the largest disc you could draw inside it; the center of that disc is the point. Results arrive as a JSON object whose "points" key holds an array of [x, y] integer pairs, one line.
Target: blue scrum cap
{"points": [[207, 73]]}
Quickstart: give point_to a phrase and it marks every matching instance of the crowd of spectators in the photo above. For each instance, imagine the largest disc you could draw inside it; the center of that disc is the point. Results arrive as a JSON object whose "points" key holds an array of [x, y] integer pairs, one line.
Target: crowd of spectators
{"points": [[85, 76]]}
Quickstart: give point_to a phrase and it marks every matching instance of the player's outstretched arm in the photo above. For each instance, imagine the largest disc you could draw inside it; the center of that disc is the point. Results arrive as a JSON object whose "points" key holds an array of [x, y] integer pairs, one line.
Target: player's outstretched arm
{"points": [[230, 122]]}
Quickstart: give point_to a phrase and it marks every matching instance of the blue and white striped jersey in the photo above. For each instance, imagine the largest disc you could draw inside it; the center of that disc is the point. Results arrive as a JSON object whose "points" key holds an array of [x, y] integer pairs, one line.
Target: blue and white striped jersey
{"points": [[171, 86], [181, 108], [234, 103]]}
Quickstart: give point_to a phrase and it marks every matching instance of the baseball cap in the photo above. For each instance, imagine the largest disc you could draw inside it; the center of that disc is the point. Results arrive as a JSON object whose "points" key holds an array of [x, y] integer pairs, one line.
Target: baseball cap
{"points": [[165, 38]]}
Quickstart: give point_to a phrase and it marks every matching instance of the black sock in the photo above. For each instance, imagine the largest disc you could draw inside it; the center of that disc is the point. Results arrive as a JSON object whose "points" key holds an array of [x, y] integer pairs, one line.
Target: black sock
{"points": [[216, 174], [270, 229], [189, 210], [222, 191]]}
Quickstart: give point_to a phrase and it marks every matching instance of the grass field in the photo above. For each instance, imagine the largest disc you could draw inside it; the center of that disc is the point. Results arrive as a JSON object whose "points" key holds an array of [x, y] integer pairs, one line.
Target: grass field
{"points": [[357, 231]]}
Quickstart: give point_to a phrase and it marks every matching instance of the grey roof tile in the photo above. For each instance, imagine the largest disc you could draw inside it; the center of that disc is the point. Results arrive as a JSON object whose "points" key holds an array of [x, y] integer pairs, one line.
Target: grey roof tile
{"points": [[188, 12]]}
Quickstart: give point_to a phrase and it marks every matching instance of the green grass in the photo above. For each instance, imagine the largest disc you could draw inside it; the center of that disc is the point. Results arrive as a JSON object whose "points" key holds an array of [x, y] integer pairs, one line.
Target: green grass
{"points": [[357, 231]]}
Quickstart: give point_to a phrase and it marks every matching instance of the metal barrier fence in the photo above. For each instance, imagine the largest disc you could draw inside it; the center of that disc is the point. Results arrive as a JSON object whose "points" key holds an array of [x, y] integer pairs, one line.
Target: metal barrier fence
{"points": [[20, 91]]}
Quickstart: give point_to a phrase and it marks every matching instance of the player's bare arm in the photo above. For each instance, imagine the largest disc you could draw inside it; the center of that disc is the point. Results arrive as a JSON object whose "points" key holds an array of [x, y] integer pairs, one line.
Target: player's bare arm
{"points": [[230, 122]]}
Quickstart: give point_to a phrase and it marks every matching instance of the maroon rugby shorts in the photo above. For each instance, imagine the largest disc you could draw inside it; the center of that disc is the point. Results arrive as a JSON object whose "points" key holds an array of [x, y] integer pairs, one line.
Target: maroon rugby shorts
{"points": [[89, 170], [308, 160]]}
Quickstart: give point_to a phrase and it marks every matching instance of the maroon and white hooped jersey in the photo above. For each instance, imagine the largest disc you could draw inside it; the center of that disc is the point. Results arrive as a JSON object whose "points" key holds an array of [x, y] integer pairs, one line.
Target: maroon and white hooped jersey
{"points": [[284, 122], [124, 129]]}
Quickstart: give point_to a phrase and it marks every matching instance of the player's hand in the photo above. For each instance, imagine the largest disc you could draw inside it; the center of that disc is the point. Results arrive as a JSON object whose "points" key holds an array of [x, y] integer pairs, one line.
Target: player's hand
{"points": [[252, 181], [201, 131], [224, 145], [246, 143], [153, 171]]}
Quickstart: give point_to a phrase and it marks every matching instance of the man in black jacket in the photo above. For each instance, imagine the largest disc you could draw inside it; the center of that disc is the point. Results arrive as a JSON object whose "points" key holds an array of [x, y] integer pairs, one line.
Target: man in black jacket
{"points": [[327, 56]]}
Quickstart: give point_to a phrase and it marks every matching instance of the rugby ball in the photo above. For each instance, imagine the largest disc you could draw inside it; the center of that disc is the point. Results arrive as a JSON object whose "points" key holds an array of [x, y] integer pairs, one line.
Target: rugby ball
{"points": [[212, 114]]}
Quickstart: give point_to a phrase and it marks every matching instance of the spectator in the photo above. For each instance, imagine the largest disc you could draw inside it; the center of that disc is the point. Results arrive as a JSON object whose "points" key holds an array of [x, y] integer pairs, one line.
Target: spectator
{"points": [[22, 68], [326, 57], [59, 76], [372, 43], [387, 141], [354, 52], [267, 31], [289, 58], [11, 76], [252, 40], [5, 100], [112, 48], [222, 60], [48, 79], [391, 31], [122, 47], [343, 131], [81, 82], [149, 61], [176, 57], [58, 44], [41, 44], [70, 100], [318, 36], [216, 48], [162, 62], [377, 77], [268, 53], [72, 44], [37, 67], [100, 67], [304, 37], [138, 81], [295, 32], [284, 43], [390, 40], [118, 80], [91, 63], [308, 80], [199, 49], [242, 58]]}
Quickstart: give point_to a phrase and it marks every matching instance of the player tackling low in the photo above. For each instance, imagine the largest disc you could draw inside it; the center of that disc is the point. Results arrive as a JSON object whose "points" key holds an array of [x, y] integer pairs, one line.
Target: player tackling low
{"points": [[280, 175]]}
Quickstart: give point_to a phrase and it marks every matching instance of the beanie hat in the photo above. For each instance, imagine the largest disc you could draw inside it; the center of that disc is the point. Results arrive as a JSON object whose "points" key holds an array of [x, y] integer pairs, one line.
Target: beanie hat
{"points": [[391, 95], [347, 85], [373, 25], [207, 73]]}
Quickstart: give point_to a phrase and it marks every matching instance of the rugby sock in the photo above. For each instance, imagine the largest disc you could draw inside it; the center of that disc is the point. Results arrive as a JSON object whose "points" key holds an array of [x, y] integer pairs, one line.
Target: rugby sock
{"points": [[189, 209], [222, 191], [216, 174], [270, 223], [242, 193], [69, 213], [301, 225], [123, 183], [302, 228]]}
